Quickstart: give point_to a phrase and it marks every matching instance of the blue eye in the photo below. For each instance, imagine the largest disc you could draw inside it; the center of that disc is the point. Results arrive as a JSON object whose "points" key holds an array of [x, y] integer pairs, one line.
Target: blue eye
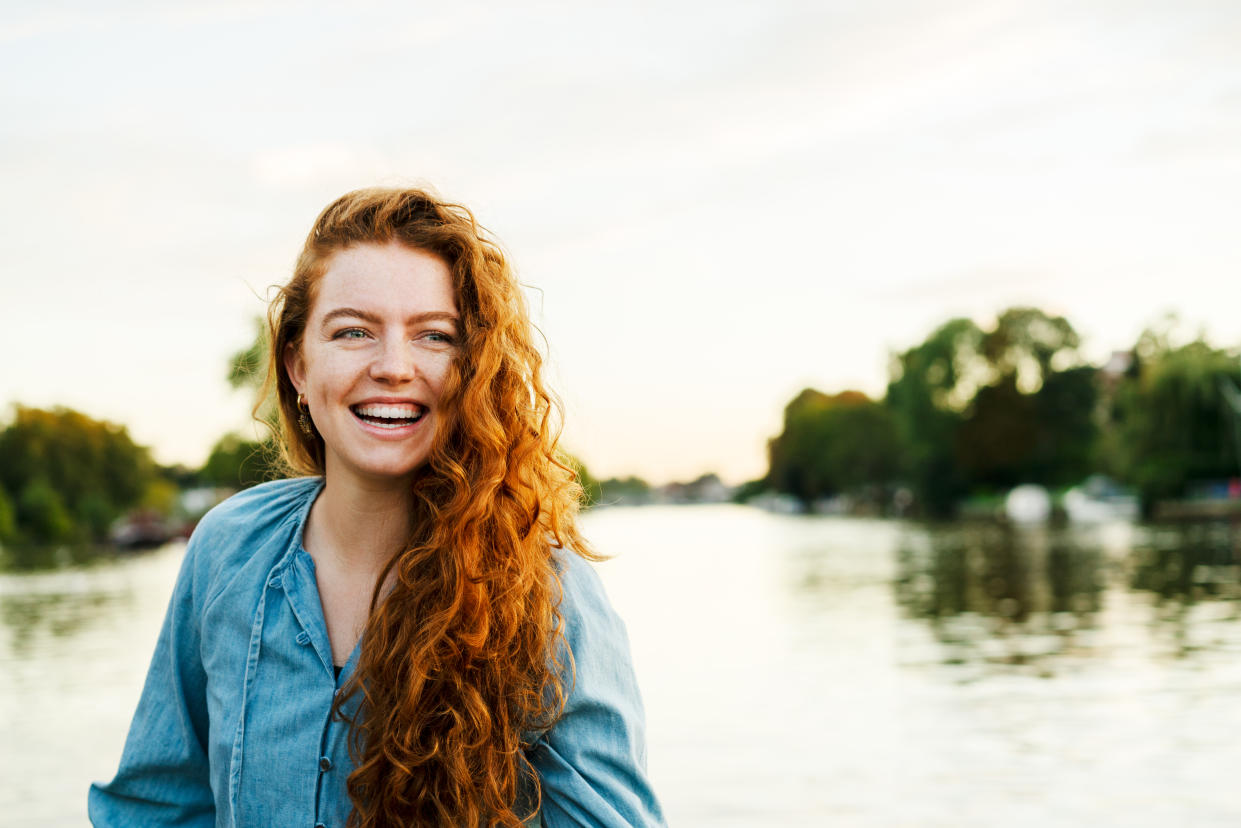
{"points": [[350, 333], [439, 337]]}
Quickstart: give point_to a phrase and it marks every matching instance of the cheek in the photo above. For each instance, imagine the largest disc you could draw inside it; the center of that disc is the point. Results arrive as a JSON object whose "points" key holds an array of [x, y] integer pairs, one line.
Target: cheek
{"points": [[435, 369], [330, 374]]}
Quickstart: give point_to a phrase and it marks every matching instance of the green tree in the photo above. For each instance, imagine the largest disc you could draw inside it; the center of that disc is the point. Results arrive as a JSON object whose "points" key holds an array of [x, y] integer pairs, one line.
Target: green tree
{"points": [[591, 489], [750, 489], [8, 517], [931, 386], [1047, 437], [991, 409], [1034, 420], [833, 444], [72, 476], [247, 370], [1066, 442], [995, 440], [1173, 421], [238, 463], [1030, 345], [624, 490], [42, 515]]}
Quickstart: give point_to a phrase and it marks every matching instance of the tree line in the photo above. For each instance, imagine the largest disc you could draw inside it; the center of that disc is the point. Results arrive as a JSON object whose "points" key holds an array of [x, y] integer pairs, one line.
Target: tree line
{"points": [[969, 411], [974, 411], [65, 477]]}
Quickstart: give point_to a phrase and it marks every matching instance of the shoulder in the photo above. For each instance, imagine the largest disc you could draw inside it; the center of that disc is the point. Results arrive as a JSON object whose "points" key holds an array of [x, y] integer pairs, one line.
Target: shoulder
{"points": [[582, 591], [260, 507], [592, 761], [592, 628], [262, 521]]}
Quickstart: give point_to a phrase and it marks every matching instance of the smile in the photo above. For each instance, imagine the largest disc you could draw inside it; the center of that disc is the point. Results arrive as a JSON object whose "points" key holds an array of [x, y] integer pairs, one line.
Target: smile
{"points": [[389, 416]]}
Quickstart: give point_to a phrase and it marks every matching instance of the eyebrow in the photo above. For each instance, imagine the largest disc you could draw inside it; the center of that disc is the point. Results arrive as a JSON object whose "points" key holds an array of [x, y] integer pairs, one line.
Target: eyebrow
{"points": [[367, 316]]}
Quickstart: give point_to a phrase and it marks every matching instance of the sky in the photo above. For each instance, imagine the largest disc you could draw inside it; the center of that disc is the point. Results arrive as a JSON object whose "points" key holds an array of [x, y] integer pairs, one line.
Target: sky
{"points": [[713, 205]]}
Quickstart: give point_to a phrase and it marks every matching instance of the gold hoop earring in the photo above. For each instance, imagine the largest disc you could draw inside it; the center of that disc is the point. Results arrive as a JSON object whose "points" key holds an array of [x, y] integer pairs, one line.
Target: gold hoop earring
{"points": [[303, 418]]}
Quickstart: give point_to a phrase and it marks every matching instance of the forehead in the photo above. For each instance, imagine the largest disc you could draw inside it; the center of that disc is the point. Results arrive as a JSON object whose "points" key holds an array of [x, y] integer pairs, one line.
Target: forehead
{"points": [[385, 278]]}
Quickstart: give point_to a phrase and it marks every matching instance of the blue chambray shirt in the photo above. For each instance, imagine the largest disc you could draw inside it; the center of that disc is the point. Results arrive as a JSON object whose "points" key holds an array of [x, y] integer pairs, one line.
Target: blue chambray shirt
{"points": [[234, 729]]}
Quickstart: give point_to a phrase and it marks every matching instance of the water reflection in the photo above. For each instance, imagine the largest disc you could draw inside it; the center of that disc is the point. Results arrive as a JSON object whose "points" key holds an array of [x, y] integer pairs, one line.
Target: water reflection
{"points": [[1188, 563], [1193, 573], [56, 592], [34, 558], [32, 617], [1020, 597], [796, 670]]}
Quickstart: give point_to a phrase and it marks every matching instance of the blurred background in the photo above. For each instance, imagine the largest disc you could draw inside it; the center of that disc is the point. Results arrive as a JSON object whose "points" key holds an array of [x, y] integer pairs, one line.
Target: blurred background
{"points": [[900, 347]]}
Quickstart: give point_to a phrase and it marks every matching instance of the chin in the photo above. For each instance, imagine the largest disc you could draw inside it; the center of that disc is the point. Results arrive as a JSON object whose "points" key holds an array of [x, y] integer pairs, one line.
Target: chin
{"points": [[376, 469], [394, 472]]}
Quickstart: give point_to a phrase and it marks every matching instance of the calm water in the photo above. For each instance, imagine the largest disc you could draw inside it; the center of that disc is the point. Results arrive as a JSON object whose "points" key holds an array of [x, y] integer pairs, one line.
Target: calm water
{"points": [[797, 671]]}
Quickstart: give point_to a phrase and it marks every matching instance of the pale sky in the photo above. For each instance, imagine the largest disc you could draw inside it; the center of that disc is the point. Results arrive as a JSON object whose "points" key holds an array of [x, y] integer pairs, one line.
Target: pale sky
{"points": [[717, 204]]}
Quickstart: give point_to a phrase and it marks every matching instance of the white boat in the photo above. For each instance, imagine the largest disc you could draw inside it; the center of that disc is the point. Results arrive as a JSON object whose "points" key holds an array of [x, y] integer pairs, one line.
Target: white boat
{"points": [[1100, 500], [1028, 503]]}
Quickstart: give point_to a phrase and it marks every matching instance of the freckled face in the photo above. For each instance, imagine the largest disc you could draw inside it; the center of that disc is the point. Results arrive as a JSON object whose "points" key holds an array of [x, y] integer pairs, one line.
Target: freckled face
{"points": [[378, 344]]}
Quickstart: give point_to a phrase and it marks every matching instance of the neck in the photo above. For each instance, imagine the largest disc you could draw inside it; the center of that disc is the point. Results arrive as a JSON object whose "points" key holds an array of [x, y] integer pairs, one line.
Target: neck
{"points": [[362, 523]]}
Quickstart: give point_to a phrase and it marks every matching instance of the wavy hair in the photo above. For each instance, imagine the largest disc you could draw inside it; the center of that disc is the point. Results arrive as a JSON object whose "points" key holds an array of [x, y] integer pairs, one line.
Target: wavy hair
{"points": [[464, 659]]}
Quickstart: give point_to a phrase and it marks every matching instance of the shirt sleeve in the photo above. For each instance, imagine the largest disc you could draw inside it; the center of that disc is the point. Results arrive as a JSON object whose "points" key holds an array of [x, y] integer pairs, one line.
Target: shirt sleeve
{"points": [[163, 778], [592, 762]]}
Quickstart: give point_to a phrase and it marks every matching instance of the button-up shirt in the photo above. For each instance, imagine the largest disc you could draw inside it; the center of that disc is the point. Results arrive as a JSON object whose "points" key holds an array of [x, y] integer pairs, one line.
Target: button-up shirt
{"points": [[234, 725]]}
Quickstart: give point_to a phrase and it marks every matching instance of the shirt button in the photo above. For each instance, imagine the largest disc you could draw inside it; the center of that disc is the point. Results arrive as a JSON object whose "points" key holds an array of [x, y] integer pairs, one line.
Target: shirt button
{"points": [[303, 638], [274, 583], [325, 764], [320, 825]]}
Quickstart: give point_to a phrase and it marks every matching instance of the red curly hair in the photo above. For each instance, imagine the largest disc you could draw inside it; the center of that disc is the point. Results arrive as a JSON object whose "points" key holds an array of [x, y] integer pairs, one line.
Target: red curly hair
{"points": [[463, 659]]}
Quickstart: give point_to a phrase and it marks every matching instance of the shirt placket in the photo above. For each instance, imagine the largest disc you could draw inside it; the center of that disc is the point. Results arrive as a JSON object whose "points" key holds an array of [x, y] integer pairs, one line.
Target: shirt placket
{"points": [[303, 597]]}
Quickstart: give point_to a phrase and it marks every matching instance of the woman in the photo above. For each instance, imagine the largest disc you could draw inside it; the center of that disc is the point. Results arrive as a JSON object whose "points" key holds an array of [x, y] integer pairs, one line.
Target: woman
{"points": [[408, 635]]}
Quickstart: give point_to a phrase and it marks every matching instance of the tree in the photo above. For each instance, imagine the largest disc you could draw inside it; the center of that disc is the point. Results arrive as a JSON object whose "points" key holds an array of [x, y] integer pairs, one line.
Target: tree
{"points": [[70, 476], [632, 490], [931, 386], [832, 444], [247, 370], [1034, 420], [1173, 420], [1047, 437], [42, 515], [238, 463], [590, 486], [1066, 442], [995, 441], [991, 409], [1030, 345], [8, 517]]}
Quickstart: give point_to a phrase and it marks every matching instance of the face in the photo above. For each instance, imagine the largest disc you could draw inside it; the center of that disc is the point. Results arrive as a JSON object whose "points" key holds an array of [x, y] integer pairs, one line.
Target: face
{"points": [[378, 344]]}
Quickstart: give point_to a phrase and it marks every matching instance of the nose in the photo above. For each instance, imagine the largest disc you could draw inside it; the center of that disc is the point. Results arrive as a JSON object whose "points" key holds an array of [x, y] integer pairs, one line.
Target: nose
{"points": [[395, 363]]}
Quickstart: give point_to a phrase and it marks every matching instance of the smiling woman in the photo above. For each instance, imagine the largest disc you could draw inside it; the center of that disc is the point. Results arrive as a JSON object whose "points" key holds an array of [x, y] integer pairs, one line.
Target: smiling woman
{"points": [[377, 349], [409, 634]]}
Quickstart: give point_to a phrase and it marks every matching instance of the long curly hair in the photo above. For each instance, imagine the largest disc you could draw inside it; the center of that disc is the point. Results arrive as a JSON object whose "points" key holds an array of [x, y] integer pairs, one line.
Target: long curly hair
{"points": [[464, 658]]}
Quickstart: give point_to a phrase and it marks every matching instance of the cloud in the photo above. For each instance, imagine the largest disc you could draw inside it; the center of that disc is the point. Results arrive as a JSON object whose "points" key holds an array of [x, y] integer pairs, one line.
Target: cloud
{"points": [[299, 165], [986, 285]]}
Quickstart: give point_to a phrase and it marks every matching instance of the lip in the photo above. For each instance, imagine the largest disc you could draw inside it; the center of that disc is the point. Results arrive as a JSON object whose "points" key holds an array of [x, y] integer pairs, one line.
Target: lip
{"points": [[389, 401], [397, 433], [386, 433]]}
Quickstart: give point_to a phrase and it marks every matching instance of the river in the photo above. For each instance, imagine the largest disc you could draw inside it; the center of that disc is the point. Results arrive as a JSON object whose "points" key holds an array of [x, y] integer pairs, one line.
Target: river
{"points": [[797, 671]]}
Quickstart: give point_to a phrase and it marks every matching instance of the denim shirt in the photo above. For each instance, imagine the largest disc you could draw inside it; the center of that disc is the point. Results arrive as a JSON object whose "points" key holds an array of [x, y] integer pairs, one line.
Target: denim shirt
{"points": [[234, 728]]}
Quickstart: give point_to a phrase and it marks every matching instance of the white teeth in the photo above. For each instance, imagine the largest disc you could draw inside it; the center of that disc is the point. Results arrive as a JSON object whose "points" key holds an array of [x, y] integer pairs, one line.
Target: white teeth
{"points": [[388, 425], [390, 412]]}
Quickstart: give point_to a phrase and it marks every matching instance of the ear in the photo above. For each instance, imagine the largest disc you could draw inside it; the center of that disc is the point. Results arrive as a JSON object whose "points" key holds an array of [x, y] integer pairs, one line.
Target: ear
{"points": [[295, 366]]}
